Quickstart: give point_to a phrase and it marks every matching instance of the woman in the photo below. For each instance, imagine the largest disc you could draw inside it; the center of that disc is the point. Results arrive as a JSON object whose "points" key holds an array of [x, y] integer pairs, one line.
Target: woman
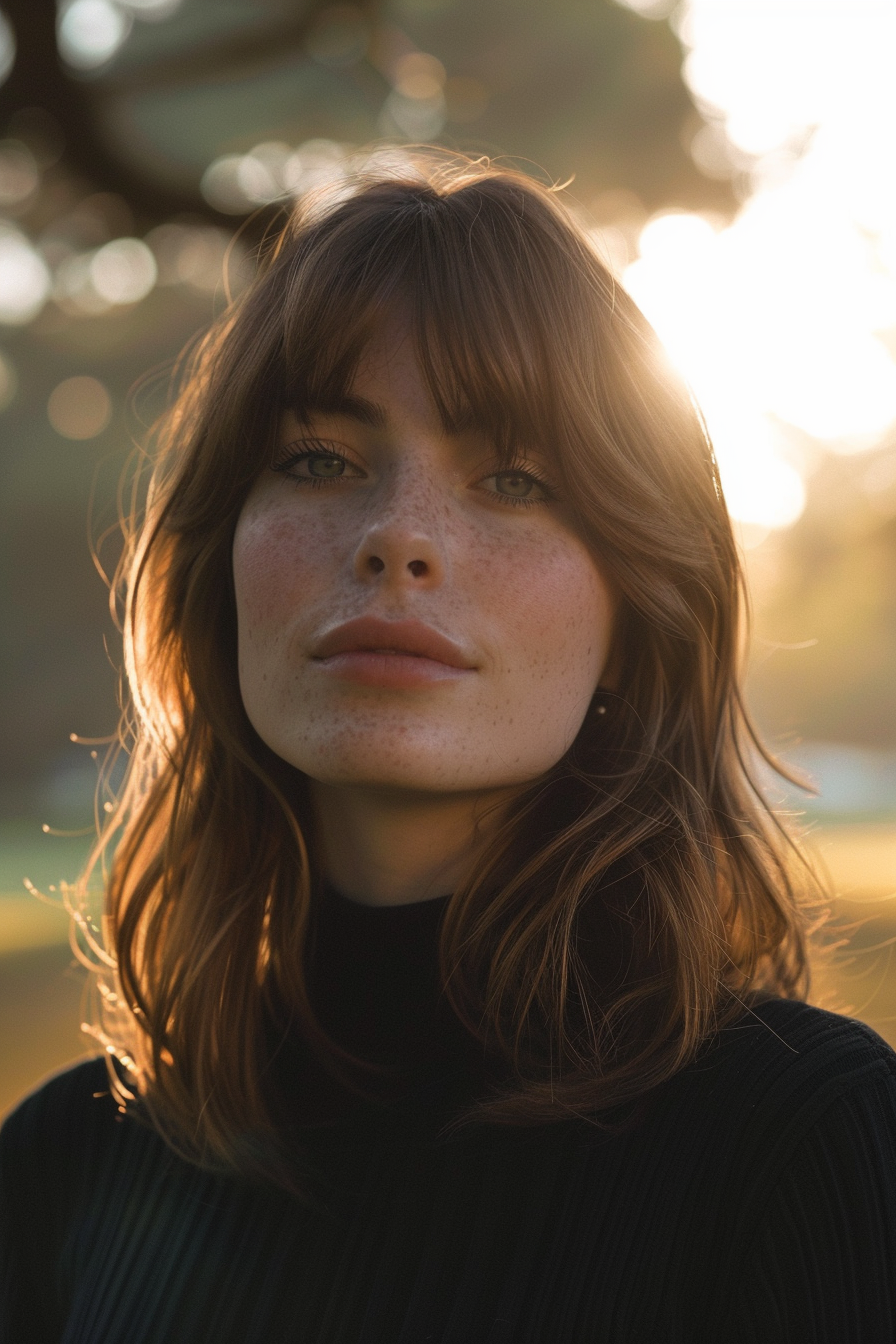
{"points": [[453, 970]]}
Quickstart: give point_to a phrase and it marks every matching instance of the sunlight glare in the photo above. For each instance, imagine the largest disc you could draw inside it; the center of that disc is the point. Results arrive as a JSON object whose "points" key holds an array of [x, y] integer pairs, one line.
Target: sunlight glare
{"points": [[784, 320]]}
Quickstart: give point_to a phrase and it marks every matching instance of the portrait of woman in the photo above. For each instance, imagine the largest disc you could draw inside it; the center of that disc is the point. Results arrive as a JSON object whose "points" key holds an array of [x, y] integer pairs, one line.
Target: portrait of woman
{"points": [[453, 976]]}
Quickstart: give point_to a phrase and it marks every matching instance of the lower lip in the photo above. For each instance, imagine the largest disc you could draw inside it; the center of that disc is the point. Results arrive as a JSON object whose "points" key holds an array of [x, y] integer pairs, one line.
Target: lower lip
{"points": [[399, 671]]}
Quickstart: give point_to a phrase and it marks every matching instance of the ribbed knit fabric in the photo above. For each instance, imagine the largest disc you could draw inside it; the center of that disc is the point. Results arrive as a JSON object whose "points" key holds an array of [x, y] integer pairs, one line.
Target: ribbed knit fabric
{"points": [[754, 1201]]}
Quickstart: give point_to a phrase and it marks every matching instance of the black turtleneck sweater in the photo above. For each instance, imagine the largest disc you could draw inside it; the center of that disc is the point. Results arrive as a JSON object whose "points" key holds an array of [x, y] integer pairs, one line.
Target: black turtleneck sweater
{"points": [[752, 1202]]}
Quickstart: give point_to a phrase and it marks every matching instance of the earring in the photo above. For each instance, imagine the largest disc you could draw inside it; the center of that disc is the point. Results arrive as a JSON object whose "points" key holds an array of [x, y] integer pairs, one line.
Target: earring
{"points": [[597, 703]]}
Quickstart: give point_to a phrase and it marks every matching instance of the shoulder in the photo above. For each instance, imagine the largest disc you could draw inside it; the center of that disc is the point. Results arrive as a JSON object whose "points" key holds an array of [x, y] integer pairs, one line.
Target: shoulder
{"points": [[790, 1089], [68, 1093], [808, 1101], [803, 1054], [782, 1064], [813, 1033], [775, 1154], [65, 1157], [69, 1115], [784, 1077]]}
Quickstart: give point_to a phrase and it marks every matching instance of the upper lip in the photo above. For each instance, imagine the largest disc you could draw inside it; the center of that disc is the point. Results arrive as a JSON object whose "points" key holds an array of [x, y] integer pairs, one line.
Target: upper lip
{"points": [[369, 634]]}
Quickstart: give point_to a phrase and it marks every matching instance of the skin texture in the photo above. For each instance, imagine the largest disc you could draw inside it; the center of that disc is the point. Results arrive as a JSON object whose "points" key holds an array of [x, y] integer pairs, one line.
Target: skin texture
{"points": [[417, 526]]}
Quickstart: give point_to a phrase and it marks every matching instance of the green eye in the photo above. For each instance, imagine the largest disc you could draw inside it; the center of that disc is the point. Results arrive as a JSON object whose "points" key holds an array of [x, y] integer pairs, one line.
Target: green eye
{"points": [[518, 485], [312, 464], [514, 483], [325, 467]]}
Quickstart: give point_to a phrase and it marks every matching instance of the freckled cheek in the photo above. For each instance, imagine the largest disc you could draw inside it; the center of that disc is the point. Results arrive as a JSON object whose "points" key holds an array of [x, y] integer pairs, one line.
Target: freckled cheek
{"points": [[278, 567], [554, 610]]}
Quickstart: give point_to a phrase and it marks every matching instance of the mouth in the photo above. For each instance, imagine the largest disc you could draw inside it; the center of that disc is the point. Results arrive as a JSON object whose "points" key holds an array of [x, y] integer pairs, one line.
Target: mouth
{"points": [[397, 654], [409, 639]]}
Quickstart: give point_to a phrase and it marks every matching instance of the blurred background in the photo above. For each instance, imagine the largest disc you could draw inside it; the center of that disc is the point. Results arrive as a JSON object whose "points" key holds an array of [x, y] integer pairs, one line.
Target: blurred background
{"points": [[736, 166]]}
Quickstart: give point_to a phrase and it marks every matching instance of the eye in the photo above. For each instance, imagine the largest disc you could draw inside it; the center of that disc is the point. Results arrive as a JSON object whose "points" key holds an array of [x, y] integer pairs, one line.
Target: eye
{"points": [[314, 464], [515, 483], [518, 486], [325, 466]]}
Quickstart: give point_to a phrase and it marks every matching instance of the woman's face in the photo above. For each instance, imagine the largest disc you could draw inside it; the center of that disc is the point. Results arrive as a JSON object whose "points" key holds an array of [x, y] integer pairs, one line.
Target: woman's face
{"points": [[410, 616]]}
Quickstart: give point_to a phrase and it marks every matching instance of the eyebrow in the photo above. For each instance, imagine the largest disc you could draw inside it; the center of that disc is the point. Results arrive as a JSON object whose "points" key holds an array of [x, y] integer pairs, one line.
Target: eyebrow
{"points": [[373, 416], [365, 412]]}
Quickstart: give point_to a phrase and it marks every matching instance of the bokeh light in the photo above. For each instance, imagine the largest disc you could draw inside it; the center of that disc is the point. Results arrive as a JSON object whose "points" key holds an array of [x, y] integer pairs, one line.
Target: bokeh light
{"points": [[123, 271], [420, 76], [416, 108], [73, 287], [195, 255], [271, 171], [24, 278], [79, 408], [316, 163], [222, 185], [259, 174], [90, 32]]}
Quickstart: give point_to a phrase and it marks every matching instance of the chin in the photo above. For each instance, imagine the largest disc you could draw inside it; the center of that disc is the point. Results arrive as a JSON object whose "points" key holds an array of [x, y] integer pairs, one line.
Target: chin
{"points": [[396, 766], [402, 755], [399, 776]]}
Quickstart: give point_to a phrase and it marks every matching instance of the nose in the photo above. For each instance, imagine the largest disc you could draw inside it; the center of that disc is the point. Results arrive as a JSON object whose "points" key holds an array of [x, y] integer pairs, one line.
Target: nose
{"points": [[403, 546], [399, 557]]}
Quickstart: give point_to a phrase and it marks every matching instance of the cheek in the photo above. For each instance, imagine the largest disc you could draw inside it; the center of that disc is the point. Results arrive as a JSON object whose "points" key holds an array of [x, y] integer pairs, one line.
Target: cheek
{"points": [[556, 608], [274, 560]]}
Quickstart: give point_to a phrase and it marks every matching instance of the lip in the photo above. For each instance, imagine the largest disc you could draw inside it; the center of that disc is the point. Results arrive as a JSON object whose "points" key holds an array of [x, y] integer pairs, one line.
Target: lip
{"points": [[369, 634], [400, 654]]}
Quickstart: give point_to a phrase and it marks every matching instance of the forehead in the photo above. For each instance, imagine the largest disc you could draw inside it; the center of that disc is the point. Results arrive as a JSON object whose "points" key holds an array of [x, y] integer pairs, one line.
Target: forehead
{"points": [[389, 374], [390, 384]]}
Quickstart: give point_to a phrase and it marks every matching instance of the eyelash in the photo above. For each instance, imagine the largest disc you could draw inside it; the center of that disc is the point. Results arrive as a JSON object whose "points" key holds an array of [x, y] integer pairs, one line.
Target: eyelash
{"points": [[517, 469], [315, 448]]}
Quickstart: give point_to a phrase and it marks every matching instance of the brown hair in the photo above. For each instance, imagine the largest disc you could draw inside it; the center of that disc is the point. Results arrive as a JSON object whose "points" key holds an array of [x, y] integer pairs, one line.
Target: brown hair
{"points": [[635, 894]]}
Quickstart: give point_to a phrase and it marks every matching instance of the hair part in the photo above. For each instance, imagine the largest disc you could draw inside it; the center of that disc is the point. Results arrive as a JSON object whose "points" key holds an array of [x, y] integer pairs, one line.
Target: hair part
{"points": [[637, 895]]}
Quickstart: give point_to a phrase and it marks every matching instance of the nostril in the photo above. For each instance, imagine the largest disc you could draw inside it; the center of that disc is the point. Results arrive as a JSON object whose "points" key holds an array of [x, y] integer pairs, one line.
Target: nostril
{"points": [[376, 565], [417, 567]]}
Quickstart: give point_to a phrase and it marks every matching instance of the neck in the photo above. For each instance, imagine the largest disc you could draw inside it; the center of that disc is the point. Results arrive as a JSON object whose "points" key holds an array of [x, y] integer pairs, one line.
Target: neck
{"points": [[393, 848]]}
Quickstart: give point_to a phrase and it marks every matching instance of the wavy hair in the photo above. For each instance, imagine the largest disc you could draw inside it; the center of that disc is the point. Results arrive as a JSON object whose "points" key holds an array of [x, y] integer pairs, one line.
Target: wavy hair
{"points": [[634, 897]]}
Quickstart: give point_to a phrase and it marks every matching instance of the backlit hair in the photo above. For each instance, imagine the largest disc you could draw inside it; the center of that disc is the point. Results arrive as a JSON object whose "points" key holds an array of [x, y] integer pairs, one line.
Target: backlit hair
{"points": [[635, 895]]}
